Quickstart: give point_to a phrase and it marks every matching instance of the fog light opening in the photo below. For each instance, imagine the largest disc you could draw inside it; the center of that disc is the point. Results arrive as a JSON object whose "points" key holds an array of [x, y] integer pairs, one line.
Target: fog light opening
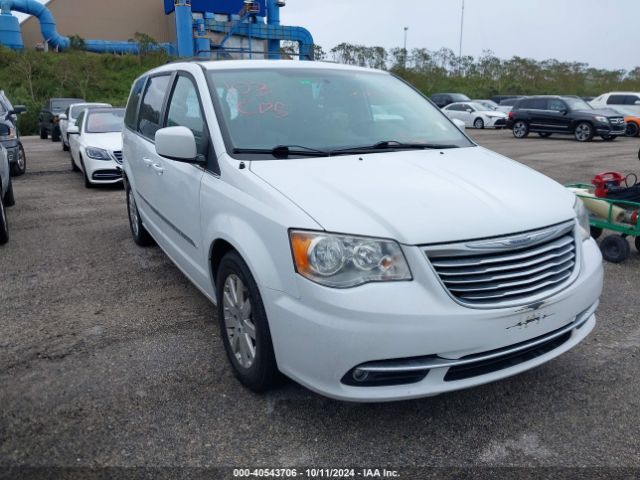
{"points": [[360, 375]]}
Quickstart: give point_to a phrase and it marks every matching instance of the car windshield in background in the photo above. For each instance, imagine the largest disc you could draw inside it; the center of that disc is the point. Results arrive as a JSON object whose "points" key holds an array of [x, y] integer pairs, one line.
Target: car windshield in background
{"points": [[61, 105], [105, 122], [577, 104], [478, 106], [78, 109], [327, 110], [457, 97]]}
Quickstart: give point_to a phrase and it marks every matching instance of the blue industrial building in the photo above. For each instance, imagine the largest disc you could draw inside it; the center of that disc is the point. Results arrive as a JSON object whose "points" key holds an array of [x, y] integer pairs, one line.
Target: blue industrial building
{"points": [[206, 28]]}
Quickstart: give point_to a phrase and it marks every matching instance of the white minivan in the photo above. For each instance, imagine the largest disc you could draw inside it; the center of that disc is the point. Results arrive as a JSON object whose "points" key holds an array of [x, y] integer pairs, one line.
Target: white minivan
{"points": [[368, 257]]}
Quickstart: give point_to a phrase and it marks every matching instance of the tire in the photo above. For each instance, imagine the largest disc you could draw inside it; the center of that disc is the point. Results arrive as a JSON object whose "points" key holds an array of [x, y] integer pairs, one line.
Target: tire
{"points": [[254, 365], [65, 147], [138, 231], [4, 227], [20, 166], [544, 134], [9, 199], [636, 242], [43, 133], [87, 182], [632, 129], [74, 167], [615, 248], [478, 123], [55, 134], [608, 138], [584, 132], [596, 232], [520, 129]]}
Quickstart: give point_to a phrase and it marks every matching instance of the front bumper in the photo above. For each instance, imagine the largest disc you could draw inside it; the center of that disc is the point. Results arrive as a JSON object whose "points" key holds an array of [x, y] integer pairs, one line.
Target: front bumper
{"points": [[325, 334], [103, 172], [497, 122], [611, 130]]}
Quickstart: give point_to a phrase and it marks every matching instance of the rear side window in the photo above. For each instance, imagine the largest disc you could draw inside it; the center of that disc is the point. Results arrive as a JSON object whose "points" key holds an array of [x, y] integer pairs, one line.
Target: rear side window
{"points": [[150, 109], [534, 103], [132, 104], [616, 100]]}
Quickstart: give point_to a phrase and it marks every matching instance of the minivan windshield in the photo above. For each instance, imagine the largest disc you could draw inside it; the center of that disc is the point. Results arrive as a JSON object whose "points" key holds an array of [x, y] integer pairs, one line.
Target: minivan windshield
{"points": [[327, 110], [105, 121]]}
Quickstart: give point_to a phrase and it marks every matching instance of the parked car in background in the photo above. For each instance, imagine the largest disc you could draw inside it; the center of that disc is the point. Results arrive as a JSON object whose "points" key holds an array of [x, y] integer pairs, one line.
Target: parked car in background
{"points": [[614, 99], [548, 115], [476, 115], [329, 240], [6, 190], [11, 139], [69, 117], [507, 105], [444, 99], [500, 98], [631, 118], [96, 145], [49, 117], [490, 104]]}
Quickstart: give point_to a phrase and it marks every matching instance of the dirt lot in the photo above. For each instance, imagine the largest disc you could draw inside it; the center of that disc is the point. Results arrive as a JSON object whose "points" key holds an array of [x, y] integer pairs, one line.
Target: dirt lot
{"points": [[109, 357]]}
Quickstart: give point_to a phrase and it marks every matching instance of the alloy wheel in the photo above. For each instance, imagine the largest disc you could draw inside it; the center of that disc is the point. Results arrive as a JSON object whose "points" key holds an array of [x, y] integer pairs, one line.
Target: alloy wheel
{"points": [[133, 214], [583, 132], [520, 129], [241, 330]]}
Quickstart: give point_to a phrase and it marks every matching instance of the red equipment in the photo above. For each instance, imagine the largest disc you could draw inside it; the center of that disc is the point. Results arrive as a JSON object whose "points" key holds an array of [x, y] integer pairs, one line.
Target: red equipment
{"points": [[605, 181]]}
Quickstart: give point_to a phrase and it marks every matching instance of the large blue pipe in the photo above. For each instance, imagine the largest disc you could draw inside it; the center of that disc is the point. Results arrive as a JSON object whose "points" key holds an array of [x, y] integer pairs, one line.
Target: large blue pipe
{"points": [[184, 28], [273, 18], [55, 40]]}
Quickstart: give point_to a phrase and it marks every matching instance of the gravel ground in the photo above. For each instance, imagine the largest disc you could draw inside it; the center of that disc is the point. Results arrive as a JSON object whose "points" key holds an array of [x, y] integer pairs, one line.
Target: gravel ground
{"points": [[110, 357]]}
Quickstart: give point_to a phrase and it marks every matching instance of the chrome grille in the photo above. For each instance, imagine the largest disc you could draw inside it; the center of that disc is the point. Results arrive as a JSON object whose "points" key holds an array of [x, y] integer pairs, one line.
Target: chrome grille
{"points": [[616, 120], [508, 270], [118, 156]]}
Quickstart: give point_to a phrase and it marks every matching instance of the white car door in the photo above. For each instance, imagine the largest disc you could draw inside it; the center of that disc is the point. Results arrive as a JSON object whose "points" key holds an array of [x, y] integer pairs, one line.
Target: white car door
{"points": [[452, 111], [465, 115], [176, 185], [74, 140]]}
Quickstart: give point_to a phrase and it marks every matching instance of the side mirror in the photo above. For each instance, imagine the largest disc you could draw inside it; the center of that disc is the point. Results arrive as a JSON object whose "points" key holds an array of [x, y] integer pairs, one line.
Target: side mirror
{"points": [[564, 111], [470, 110], [637, 102], [62, 116], [177, 143], [73, 130]]}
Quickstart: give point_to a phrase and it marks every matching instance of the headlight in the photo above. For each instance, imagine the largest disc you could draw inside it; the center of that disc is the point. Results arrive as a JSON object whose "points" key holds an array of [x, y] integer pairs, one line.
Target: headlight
{"points": [[582, 217], [11, 136], [97, 153], [602, 119], [343, 261]]}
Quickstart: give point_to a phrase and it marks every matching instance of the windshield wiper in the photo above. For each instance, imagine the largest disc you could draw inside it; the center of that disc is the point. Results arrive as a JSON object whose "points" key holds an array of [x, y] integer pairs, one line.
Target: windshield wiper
{"points": [[285, 151], [392, 145]]}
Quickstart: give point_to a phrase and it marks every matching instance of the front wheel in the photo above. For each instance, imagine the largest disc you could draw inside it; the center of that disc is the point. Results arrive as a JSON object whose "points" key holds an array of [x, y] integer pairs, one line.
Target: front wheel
{"points": [[632, 129], [584, 132], [478, 123], [55, 134], [65, 147], [243, 325], [520, 129], [43, 133], [20, 165]]}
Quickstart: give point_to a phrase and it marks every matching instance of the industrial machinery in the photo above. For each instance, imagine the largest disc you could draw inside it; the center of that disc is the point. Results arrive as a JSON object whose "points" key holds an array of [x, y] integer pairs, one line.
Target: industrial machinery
{"points": [[202, 29]]}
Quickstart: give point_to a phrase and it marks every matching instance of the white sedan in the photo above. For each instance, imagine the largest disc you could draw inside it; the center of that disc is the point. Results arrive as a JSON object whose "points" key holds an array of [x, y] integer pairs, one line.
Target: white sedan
{"points": [[69, 117], [475, 115], [96, 145]]}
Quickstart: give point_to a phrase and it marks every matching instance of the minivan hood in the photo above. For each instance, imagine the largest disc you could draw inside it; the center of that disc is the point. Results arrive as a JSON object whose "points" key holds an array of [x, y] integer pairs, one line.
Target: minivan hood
{"points": [[420, 197]]}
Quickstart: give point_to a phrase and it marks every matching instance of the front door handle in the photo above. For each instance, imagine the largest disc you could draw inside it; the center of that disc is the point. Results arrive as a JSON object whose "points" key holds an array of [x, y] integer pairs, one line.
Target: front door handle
{"points": [[158, 168], [148, 162]]}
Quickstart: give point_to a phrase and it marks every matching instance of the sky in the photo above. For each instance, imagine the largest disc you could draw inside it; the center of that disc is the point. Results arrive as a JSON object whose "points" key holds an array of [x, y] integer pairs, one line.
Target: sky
{"points": [[601, 33]]}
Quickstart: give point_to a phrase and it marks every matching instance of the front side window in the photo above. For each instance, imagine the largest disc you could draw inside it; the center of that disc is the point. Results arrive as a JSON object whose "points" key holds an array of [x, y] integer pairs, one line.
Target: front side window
{"points": [[80, 119], [326, 109], [185, 110], [577, 104], [556, 105], [150, 109], [105, 121]]}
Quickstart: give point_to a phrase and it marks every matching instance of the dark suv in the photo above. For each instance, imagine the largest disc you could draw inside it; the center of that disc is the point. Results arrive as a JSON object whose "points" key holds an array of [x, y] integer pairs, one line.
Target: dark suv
{"points": [[444, 99], [546, 115], [49, 116], [10, 138]]}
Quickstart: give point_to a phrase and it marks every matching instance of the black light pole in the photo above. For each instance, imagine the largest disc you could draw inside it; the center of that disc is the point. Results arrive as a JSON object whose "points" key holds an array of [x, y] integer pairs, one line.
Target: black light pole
{"points": [[406, 29], [461, 32]]}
